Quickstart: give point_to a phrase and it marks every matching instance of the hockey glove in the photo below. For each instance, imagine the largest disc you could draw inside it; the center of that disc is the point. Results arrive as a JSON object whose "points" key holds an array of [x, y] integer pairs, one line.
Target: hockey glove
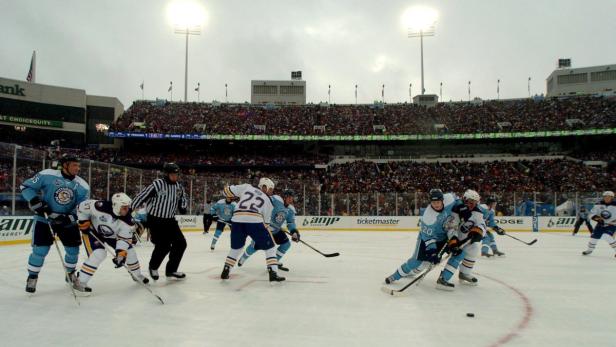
{"points": [[499, 230], [120, 258], [63, 220], [432, 255], [295, 235], [453, 246], [38, 206]]}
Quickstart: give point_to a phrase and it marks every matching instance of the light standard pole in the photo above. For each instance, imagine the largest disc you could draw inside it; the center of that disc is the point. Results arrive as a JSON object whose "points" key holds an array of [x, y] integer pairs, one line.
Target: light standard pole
{"points": [[356, 94], [329, 94], [529, 87], [498, 89], [411, 93], [187, 30], [383, 94], [413, 33], [226, 94], [469, 91], [440, 94]]}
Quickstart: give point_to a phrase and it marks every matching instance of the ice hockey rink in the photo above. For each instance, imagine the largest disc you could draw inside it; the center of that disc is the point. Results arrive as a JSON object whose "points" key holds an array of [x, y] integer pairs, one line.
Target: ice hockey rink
{"points": [[547, 294]]}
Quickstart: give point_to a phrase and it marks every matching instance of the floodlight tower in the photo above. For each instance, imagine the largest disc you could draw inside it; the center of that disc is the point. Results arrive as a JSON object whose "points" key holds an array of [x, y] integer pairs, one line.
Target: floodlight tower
{"points": [[186, 17], [420, 22]]}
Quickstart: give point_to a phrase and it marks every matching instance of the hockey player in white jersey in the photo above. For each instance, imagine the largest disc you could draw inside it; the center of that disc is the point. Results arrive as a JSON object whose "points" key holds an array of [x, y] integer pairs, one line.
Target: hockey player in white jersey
{"points": [[251, 218], [466, 231], [604, 213], [112, 224]]}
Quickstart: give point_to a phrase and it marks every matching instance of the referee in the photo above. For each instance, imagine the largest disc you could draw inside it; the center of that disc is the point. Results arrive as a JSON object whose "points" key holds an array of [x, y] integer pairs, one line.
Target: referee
{"points": [[164, 197]]}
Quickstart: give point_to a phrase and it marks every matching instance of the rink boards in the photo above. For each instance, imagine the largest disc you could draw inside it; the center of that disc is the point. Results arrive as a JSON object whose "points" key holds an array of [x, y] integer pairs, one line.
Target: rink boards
{"points": [[15, 230]]}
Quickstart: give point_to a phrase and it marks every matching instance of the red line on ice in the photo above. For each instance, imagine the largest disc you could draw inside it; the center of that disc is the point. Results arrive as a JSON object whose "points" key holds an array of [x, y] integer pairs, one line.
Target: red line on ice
{"points": [[523, 323]]}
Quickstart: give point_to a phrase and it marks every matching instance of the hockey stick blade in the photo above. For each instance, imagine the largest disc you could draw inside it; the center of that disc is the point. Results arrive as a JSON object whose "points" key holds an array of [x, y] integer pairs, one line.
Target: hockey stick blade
{"points": [[532, 242]]}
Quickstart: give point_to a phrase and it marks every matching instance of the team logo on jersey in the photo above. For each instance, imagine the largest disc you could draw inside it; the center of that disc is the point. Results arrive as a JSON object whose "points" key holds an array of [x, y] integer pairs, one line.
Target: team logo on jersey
{"points": [[105, 230], [279, 217], [64, 196], [227, 211]]}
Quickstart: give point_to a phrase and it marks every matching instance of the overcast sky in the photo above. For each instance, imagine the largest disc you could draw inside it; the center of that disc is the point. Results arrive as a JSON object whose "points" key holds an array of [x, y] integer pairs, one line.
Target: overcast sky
{"points": [[109, 47]]}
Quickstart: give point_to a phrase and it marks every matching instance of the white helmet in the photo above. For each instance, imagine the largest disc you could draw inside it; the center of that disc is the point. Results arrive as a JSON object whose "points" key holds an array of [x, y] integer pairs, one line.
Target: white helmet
{"points": [[264, 181], [119, 200], [471, 195], [608, 193]]}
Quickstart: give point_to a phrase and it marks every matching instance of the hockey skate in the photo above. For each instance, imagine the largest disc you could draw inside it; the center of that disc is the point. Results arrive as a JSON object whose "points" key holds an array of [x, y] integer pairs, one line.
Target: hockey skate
{"points": [[442, 284], [499, 253], [31, 283], [154, 274], [283, 268], [141, 278], [273, 276], [587, 252], [225, 272], [175, 275], [468, 279]]}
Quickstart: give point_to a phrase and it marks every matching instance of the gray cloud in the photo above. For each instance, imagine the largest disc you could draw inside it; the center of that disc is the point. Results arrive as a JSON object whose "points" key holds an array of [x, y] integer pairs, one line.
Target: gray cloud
{"points": [[109, 47]]}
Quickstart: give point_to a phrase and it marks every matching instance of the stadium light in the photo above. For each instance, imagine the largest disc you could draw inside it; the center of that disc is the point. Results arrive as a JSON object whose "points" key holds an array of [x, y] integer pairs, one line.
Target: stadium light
{"points": [[419, 21], [187, 17]]}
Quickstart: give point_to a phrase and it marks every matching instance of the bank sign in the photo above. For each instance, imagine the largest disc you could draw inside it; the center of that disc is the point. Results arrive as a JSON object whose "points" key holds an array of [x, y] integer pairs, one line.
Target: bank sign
{"points": [[15, 90]]}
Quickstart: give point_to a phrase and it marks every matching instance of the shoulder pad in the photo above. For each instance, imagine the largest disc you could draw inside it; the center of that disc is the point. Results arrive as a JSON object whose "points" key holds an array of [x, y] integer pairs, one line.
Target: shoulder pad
{"points": [[82, 182], [277, 197], [292, 208], [51, 172]]}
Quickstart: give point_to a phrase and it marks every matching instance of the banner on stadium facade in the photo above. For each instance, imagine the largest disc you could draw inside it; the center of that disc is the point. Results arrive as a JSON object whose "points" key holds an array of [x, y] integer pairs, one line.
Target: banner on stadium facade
{"points": [[31, 121], [15, 230], [528, 134]]}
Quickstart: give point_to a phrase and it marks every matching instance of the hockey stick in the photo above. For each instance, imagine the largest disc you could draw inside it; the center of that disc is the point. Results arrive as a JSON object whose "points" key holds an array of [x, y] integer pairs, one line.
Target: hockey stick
{"points": [[400, 292], [67, 276], [326, 255], [524, 242], [127, 269]]}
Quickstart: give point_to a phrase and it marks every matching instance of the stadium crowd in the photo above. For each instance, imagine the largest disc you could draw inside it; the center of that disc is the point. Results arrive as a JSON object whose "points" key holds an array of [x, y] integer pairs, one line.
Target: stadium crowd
{"points": [[458, 118]]}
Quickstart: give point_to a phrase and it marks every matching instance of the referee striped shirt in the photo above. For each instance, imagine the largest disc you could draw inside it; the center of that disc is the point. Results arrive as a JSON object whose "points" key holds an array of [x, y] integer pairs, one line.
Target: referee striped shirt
{"points": [[163, 198]]}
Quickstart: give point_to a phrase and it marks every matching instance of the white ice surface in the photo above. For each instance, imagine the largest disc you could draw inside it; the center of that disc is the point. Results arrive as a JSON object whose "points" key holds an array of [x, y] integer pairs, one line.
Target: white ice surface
{"points": [[325, 301]]}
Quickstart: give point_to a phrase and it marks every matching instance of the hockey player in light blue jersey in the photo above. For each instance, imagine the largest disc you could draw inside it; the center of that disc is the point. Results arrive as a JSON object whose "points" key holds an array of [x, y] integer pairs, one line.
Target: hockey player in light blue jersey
{"points": [[432, 236], [222, 212], [283, 212], [55, 193], [466, 230], [488, 241], [604, 213]]}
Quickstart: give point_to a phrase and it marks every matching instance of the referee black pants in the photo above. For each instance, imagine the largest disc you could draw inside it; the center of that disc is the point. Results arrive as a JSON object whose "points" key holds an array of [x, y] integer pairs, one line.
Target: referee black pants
{"points": [[207, 222], [167, 239]]}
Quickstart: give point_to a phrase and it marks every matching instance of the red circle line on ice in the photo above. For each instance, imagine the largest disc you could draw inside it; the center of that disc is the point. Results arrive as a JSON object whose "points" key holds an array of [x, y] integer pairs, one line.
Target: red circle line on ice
{"points": [[523, 323]]}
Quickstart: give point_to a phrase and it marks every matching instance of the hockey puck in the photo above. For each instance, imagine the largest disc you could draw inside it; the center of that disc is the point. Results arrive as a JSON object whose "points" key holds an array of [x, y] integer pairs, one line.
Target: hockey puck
{"points": [[470, 314]]}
